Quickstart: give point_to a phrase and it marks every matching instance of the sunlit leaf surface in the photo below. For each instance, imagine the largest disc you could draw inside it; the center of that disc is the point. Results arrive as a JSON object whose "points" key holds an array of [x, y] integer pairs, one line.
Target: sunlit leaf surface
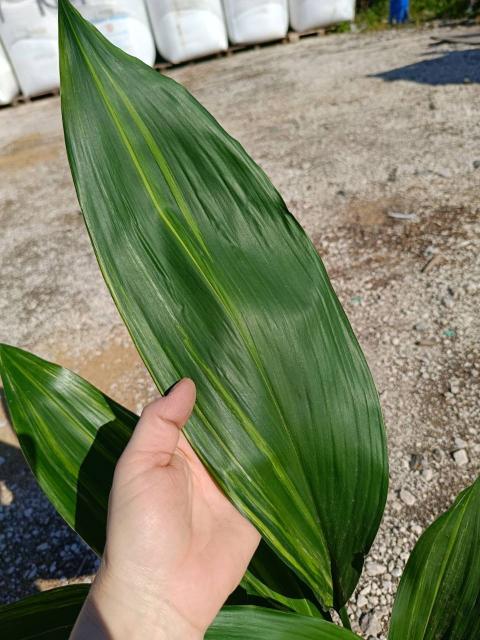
{"points": [[217, 281]]}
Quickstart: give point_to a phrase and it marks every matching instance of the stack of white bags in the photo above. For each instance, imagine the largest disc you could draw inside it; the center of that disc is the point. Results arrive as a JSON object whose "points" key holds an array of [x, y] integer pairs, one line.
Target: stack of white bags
{"points": [[182, 30], [29, 31]]}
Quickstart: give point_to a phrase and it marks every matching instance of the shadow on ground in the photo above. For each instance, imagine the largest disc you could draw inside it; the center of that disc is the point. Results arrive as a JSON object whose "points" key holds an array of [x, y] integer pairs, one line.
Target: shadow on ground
{"points": [[37, 549], [455, 67]]}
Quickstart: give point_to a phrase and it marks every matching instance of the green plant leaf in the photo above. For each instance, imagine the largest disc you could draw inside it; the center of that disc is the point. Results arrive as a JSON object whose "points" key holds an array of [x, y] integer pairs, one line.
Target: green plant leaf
{"points": [[71, 435], [49, 615], [216, 280], [240, 623], [439, 594], [275, 582]]}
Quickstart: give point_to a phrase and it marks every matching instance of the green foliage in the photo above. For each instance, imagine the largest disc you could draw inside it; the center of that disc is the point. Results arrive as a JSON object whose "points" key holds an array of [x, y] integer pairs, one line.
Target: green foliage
{"points": [[439, 593], [49, 615]]}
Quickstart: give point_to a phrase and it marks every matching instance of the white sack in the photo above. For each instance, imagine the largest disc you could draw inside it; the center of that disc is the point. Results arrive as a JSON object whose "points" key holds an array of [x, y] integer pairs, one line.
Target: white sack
{"points": [[310, 14], [124, 22], [8, 83], [187, 29], [250, 21], [28, 29]]}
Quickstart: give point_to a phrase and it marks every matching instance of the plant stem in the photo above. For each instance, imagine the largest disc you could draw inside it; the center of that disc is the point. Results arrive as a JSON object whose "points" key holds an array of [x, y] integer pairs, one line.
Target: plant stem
{"points": [[344, 618]]}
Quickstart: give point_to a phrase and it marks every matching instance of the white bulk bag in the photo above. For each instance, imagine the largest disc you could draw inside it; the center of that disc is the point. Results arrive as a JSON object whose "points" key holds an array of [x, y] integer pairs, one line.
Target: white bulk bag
{"points": [[310, 14], [124, 22], [8, 83], [250, 21], [187, 29], [28, 29]]}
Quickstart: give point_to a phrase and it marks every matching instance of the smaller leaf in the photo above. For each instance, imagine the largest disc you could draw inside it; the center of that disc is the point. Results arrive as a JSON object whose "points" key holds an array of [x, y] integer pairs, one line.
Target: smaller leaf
{"points": [[276, 582], [71, 435], [45, 616], [439, 594], [242, 623]]}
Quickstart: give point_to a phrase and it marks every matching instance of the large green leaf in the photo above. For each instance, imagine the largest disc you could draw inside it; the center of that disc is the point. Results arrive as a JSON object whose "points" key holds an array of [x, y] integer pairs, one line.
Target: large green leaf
{"points": [[72, 436], [439, 594], [51, 615], [216, 280]]}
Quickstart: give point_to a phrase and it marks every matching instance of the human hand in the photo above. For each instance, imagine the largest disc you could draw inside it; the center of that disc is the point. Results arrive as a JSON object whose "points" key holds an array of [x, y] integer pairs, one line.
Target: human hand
{"points": [[176, 547]]}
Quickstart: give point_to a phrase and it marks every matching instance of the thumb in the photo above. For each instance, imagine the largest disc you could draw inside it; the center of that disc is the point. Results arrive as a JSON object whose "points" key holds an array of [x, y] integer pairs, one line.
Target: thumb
{"points": [[158, 430]]}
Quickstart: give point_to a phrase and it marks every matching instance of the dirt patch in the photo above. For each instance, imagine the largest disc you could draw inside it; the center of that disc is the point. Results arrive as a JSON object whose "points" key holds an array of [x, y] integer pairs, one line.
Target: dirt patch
{"points": [[29, 150]]}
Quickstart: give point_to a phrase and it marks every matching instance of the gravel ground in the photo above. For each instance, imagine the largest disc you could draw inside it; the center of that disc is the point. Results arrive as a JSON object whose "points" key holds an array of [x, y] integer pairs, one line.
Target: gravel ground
{"points": [[374, 140]]}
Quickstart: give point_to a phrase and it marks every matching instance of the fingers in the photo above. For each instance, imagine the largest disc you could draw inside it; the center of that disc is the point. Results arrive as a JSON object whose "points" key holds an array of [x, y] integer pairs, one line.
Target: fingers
{"points": [[158, 429]]}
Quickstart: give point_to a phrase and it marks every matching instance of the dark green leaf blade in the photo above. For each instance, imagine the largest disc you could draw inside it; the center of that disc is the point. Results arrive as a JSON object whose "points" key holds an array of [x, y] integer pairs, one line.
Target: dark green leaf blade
{"points": [[439, 594], [71, 435], [49, 615], [274, 581], [216, 280]]}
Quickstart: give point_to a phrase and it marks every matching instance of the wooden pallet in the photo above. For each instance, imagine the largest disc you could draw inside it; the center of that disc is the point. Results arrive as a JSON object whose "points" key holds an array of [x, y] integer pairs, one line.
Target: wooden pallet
{"points": [[21, 99], [291, 38]]}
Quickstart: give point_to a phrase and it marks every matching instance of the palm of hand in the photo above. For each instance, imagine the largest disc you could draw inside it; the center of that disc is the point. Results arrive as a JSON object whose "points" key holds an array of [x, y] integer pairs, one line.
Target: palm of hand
{"points": [[170, 526]]}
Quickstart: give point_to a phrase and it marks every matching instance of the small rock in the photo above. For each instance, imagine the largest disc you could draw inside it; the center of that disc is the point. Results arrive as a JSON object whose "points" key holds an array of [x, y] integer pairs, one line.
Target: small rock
{"points": [[416, 530], [43, 547], [361, 601], [420, 326], [375, 568], [460, 457], [454, 385], [370, 624], [460, 443], [6, 496], [2, 460], [32, 573], [476, 164], [427, 474], [407, 497], [396, 572]]}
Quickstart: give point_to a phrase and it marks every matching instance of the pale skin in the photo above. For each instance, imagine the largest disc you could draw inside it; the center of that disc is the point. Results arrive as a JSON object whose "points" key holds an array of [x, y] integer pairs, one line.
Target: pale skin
{"points": [[176, 547]]}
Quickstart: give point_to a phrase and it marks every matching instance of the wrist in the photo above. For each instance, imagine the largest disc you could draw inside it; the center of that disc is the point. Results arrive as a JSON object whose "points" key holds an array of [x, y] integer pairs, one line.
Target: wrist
{"points": [[119, 611]]}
